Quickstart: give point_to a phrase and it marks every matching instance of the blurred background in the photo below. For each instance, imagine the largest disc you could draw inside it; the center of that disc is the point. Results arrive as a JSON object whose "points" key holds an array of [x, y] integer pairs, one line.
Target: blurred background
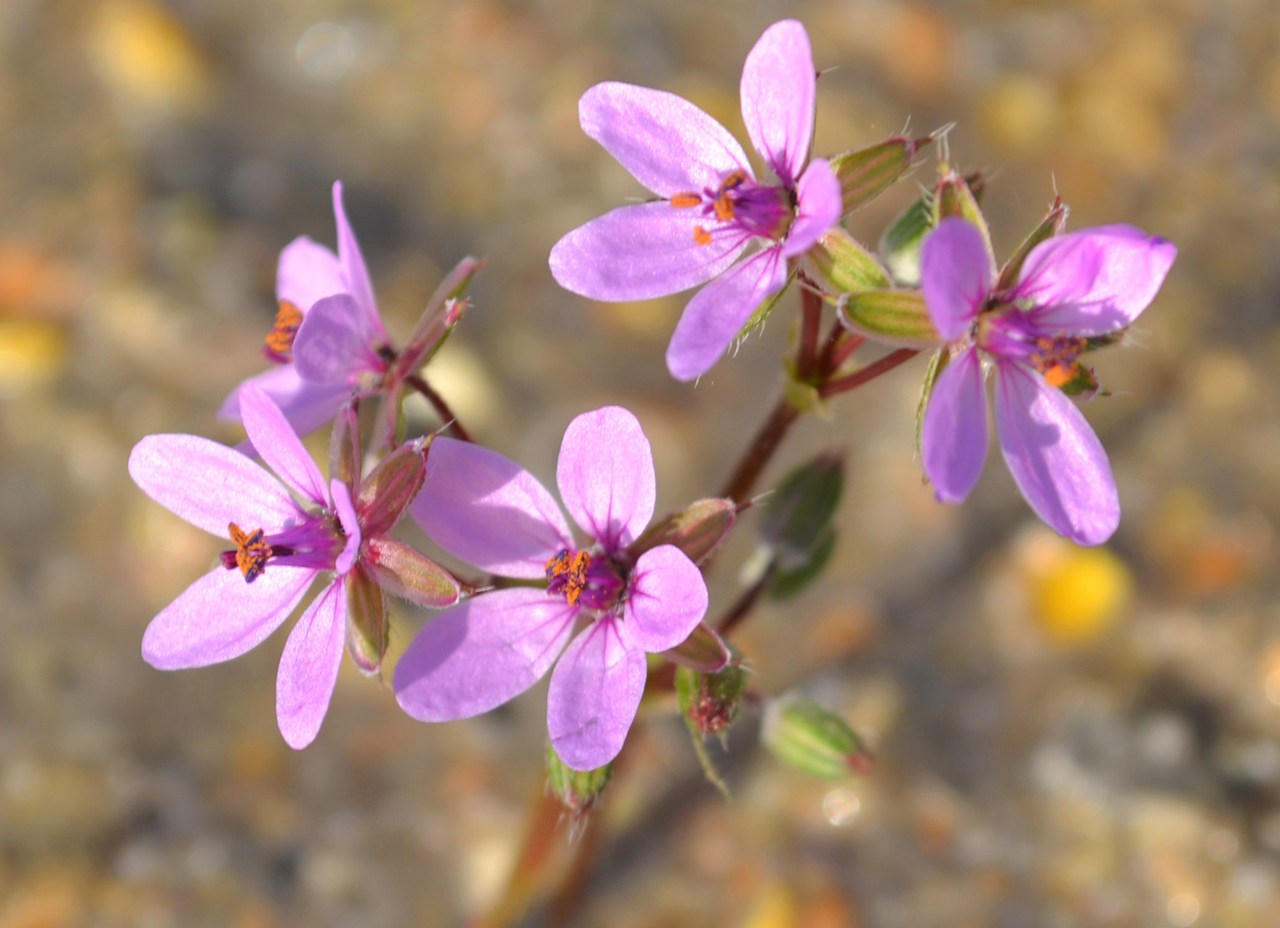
{"points": [[1064, 737]]}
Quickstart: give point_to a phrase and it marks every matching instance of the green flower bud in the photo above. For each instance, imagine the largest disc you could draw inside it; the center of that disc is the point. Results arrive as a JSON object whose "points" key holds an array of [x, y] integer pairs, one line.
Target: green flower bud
{"points": [[577, 790], [797, 514], [709, 701], [847, 266], [894, 317], [802, 734], [391, 486], [867, 172], [439, 318], [954, 196]]}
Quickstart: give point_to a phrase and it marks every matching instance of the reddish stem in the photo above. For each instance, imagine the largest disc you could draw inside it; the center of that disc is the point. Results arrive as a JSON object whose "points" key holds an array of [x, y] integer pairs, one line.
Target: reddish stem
{"points": [[447, 415], [761, 449], [870, 372]]}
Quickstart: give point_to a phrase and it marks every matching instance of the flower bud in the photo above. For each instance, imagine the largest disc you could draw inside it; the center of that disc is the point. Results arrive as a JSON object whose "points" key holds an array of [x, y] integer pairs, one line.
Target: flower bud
{"points": [[697, 530], [894, 317], [402, 571], [367, 629], [866, 173], [577, 790], [848, 267], [954, 196], [709, 701], [797, 515], [802, 734], [389, 489], [440, 316]]}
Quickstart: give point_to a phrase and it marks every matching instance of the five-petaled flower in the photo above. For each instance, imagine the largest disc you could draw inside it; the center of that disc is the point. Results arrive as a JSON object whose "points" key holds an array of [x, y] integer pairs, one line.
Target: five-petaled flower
{"points": [[488, 511], [713, 207], [328, 341], [280, 545], [1071, 288]]}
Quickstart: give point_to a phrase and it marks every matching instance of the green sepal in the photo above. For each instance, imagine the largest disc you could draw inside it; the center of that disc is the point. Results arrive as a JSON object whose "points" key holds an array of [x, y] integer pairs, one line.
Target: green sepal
{"points": [[893, 317], [697, 530], [386, 493], [367, 629], [845, 264], [344, 446], [931, 373], [806, 736], [709, 703], [1051, 225], [762, 311]]}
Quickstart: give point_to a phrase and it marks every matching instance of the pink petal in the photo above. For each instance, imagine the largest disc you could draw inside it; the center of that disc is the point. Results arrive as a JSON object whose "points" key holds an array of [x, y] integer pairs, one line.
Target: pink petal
{"points": [[640, 252], [605, 475], [307, 406], [307, 272], [1097, 280], [820, 203], [333, 344], [778, 82], [717, 313], [666, 142], [354, 271], [595, 692], [487, 510], [668, 599], [309, 667], [957, 272], [210, 485], [954, 436], [1054, 456], [477, 655], [277, 443], [346, 511], [220, 616]]}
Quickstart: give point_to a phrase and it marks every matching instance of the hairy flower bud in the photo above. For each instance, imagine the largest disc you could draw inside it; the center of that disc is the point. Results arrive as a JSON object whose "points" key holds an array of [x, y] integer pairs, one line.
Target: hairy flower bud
{"points": [[367, 628], [709, 701], [806, 736], [697, 530], [795, 530], [845, 264], [386, 493], [402, 571], [867, 172], [894, 317]]}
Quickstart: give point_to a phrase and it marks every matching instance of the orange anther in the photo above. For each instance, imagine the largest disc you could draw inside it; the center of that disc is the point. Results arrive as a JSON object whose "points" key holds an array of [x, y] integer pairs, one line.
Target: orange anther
{"points": [[252, 551], [685, 200], [279, 340]]}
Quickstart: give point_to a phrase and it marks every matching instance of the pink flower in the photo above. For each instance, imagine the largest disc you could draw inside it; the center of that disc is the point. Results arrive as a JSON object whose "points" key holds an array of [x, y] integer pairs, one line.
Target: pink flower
{"points": [[1071, 288], [328, 340], [488, 511], [712, 208], [280, 546]]}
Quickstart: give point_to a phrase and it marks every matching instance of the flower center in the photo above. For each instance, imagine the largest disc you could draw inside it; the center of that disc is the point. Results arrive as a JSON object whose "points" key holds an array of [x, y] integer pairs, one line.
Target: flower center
{"points": [[740, 204], [251, 554], [1006, 331], [592, 582], [314, 543], [278, 345]]}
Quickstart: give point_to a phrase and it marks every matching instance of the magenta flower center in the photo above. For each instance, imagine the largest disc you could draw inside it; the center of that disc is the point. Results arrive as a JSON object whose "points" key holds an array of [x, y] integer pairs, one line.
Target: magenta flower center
{"points": [[741, 204], [314, 543], [1007, 331], [591, 582]]}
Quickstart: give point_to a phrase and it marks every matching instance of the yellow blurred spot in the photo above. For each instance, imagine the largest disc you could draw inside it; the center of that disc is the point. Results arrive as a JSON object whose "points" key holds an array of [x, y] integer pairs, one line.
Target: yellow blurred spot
{"points": [[31, 351], [147, 59], [1076, 593], [775, 908], [1022, 112]]}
